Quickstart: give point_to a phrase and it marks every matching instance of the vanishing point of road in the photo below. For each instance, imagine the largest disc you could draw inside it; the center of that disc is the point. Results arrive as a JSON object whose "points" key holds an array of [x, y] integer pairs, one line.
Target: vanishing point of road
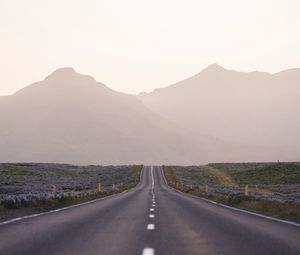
{"points": [[149, 219]]}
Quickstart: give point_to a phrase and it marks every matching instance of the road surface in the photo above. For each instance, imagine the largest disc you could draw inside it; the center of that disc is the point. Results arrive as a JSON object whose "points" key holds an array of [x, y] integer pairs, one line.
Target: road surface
{"points": [[149, 219]]}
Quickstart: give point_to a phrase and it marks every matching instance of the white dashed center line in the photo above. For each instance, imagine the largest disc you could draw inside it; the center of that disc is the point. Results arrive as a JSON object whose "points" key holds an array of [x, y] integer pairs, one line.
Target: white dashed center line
{"points": [[152, 185], [148, 251], [150, 226]]}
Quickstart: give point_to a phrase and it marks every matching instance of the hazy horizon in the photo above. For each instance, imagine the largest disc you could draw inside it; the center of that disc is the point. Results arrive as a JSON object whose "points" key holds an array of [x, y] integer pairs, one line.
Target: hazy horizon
{"points": [[137, 46], [73, 118], [202, 111], [154, 88]]}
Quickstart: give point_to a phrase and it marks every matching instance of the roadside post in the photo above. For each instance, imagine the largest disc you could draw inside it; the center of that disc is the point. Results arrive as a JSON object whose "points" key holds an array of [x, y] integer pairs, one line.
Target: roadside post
{"points": [[246, 190], [99, 187], [206, 188]]}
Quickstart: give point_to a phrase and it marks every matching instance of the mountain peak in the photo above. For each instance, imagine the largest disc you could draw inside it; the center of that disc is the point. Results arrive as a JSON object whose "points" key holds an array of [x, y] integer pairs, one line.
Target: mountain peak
{"points": [[214, 68], [62, 73], [69, 74]]}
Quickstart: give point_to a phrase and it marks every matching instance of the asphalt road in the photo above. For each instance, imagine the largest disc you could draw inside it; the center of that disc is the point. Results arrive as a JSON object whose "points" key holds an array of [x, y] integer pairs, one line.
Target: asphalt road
{"points": [[149, 219]]}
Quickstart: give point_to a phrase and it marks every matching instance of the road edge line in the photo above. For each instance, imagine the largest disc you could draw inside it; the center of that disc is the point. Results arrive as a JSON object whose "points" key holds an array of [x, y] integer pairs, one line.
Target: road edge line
{"points": [[232, 208], [68, 207]]}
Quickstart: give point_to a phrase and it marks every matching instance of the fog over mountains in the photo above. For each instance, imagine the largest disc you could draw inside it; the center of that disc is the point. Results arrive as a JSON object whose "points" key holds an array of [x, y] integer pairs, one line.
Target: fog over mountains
{"points": [[213, 116], [250, 108]]}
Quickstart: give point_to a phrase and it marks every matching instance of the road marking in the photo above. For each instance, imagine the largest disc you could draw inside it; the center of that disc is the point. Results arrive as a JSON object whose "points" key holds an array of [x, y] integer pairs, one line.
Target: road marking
{"points": [[152, 184], [148, 251], [152, 189], [71, 206], [61, 209], [150, 226]]}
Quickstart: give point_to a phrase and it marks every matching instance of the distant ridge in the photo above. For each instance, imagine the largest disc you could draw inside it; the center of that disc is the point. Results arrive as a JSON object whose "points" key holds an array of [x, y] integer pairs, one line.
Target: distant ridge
{"points": [[71, 118], [255, 108]]}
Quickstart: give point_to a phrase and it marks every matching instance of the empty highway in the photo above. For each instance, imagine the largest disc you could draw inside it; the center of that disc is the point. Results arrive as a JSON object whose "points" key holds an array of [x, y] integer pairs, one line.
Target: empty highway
{"points": [[149, 219]]}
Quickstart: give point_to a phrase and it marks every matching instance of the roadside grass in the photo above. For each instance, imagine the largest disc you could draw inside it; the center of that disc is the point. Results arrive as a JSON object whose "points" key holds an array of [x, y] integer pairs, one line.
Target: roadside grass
{"points": [[287, 211], [223, 194], [49, 204], [262, 173], [38, 178], [12, 208], [195, 175], [264, 178], [224, 178], [270, 174]]}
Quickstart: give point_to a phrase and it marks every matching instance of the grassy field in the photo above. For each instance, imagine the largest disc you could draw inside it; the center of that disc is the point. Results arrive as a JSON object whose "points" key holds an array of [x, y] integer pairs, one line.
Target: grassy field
{"points": [[273, 188], [264, 173], [32, 188]]}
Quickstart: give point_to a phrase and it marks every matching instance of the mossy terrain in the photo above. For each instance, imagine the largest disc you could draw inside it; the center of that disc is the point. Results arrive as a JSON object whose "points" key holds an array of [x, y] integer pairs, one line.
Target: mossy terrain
{"points": [[195, 175], [29, 188], [262, 173], [273, 188], [24, 178]]}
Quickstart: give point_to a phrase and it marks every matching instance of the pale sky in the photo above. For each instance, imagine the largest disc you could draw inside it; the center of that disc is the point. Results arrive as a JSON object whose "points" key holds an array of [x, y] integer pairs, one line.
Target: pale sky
{"points": [[139, 45]]}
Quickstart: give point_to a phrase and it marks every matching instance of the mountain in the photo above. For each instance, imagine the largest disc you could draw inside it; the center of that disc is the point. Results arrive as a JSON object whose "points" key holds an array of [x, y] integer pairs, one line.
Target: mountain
{"points": [[71, 118], [254, 108]]}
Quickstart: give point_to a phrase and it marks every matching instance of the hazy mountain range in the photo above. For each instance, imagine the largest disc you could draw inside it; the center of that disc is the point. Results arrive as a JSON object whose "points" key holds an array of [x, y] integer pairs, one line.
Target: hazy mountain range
{"points": [[252, 108], [217, 115]]}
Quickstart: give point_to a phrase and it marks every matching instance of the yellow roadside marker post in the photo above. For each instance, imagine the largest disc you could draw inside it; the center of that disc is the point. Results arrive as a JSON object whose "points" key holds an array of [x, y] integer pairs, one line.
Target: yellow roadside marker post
{"points": [[99, 187], [206, 188], [246, 190]]}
